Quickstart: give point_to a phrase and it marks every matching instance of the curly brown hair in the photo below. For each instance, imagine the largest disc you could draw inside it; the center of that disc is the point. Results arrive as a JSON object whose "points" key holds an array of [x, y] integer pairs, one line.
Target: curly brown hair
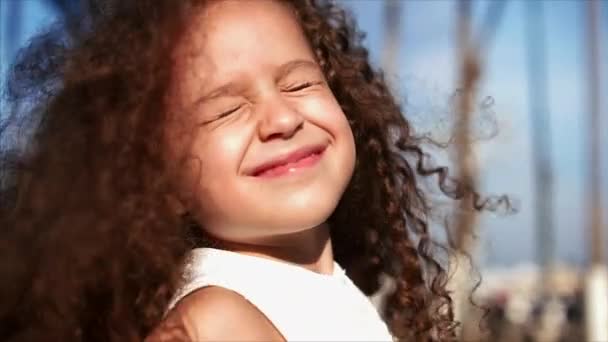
{"points": [[93, 250]]}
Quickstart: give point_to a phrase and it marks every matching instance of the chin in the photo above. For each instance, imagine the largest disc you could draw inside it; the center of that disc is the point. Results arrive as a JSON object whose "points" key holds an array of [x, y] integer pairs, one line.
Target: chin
{"points": [[295, 217]]}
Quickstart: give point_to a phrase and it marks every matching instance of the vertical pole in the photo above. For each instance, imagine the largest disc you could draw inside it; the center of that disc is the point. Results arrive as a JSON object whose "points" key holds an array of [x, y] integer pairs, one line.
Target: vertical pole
{"points": [[392, 35], [596, 291], [466, 166], [597, 250], [541, 140], [470, 54], [466, 163], [390, 53]]}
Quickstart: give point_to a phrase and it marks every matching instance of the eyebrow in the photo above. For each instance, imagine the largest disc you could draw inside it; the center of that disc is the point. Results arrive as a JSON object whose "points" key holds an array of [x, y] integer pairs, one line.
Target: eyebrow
{"points": [[288, 67], [226, 89], [234, 88]]}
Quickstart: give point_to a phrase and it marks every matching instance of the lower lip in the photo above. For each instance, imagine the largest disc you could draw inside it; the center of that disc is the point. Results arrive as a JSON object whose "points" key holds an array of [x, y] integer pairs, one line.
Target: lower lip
{"points": [[291, 168]]}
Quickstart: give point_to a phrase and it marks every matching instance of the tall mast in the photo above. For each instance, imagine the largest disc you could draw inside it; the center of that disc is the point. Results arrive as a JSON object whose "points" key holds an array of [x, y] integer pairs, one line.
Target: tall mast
{"points": [[596, 291]]}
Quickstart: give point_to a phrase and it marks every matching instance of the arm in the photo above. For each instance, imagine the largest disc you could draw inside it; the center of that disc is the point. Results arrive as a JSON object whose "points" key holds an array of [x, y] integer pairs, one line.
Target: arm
{"points": [[214, 314]]}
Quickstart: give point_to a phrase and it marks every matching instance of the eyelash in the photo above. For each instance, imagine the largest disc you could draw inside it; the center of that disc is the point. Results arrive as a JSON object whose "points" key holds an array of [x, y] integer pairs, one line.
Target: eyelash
{"points": [[222, 115], [228, 112], [301, 86]]}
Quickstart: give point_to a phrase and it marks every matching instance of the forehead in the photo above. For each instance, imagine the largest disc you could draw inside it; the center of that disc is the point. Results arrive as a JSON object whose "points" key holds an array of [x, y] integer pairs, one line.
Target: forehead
{"points": [[241, 37]]}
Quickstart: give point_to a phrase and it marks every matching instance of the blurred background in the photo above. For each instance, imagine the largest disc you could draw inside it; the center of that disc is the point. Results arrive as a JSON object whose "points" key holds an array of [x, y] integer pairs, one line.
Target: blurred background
{"points": [[526, 81]]}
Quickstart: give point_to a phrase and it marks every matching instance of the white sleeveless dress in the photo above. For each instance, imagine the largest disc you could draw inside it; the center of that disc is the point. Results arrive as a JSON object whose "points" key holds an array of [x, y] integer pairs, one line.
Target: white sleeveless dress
{"points": [[302, 305]]}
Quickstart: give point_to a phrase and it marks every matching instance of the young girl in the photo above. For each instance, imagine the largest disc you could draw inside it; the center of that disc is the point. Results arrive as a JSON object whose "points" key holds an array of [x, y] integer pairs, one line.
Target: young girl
{"points": [[212, 170]]}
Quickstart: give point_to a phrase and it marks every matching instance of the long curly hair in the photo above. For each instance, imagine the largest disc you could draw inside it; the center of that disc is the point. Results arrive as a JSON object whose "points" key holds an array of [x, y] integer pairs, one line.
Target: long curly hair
{"points": [[90, 250]]}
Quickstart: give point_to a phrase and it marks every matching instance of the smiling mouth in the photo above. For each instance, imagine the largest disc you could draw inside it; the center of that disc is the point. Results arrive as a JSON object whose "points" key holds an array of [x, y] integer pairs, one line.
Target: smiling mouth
{"points": [[295, 162]]}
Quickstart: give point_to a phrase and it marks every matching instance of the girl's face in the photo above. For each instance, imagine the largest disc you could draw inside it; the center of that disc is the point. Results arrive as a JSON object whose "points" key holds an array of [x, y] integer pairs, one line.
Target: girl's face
{"points": [[273, 151]]}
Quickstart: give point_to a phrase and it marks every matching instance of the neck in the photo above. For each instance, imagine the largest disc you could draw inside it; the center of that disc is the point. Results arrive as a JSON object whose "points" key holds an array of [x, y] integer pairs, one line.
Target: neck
{"points": [[310, 249]]}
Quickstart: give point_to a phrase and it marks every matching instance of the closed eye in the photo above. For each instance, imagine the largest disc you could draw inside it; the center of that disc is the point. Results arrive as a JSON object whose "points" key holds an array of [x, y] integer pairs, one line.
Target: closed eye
{"points": [[301, 86], [223, 115], [228, 112]]}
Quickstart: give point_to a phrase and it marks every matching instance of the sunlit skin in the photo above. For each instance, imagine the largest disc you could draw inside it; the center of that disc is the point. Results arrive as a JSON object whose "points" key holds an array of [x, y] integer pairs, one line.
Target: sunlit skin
{"points": [[247, 79]]}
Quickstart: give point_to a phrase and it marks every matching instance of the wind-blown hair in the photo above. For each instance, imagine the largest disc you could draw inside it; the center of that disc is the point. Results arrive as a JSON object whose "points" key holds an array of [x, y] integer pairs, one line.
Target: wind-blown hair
{"points": [[90, 249]]}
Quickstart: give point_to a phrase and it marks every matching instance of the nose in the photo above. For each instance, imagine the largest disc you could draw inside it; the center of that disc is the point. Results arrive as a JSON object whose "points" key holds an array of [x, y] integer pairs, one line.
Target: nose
{"points": [[279, 120]]}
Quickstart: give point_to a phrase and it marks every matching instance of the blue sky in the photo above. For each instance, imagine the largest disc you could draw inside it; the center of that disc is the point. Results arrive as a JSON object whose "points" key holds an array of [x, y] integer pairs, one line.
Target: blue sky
{"points": [[426, 75]]}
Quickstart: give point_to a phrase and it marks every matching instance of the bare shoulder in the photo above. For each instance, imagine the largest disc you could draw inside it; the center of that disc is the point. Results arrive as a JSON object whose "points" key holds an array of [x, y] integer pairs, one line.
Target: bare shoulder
{"points": [[214, 314]]}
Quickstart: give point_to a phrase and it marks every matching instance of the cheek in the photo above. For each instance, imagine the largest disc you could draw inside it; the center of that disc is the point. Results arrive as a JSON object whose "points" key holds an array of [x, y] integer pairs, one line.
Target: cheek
{"points": [[325, 112], [339, 127], [220, 154], [213, 167]]}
